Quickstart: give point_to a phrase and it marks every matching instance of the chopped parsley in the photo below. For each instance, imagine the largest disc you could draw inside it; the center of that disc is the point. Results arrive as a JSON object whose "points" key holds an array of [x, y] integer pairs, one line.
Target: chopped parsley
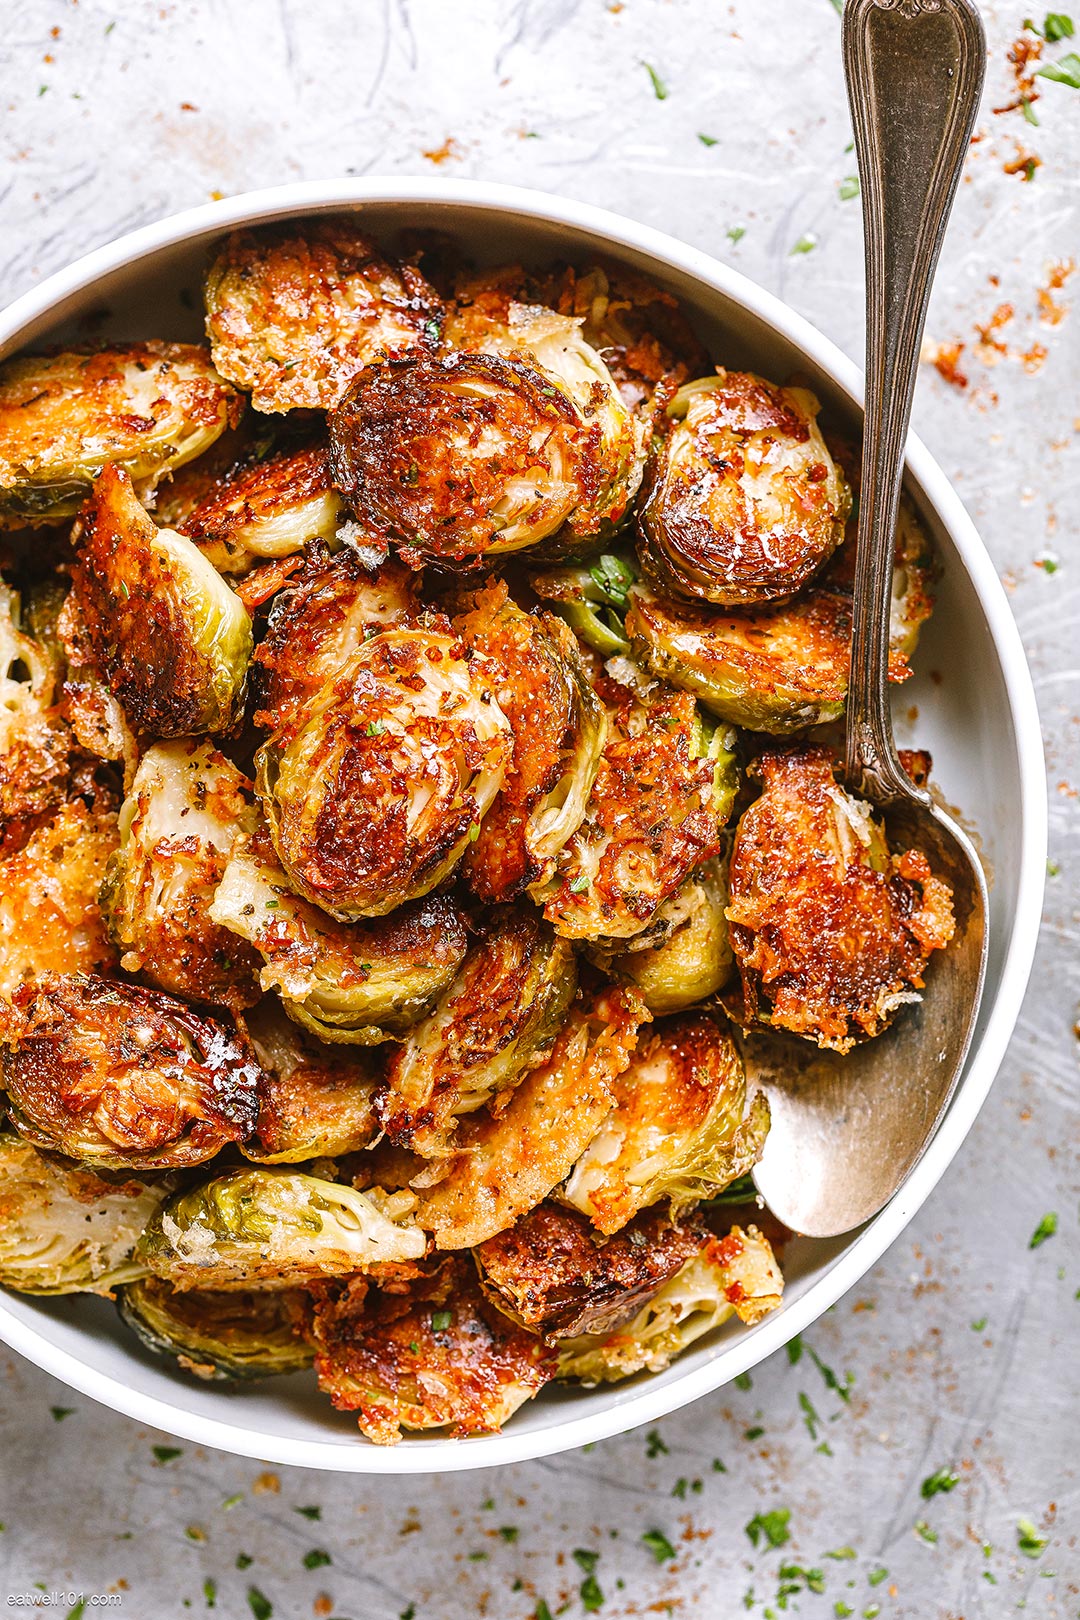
{"points": [[735, 233], [926, 1532], [795, 1349], [244, 1560], [441, 1320], [259, 1604], [772, 1527], [312, 1513], [541, 1612], [654, 1444], [165, 1454], [613, 577], [743, 1381], [1064, 71], [592, 1598], [660, 89], [842, 1553], [1028, 1539], [709, 140], [806, 244], [810, 1415], [980, 1325], [59, 1413], [659, 1545], [209, 1587], [1056, 25], [1045, 1229], [849, 187], [944, 1479], [316, 1558], [876, 1576], [586, 1560], [753, 1433], [509, 1532], [1028, 110]]}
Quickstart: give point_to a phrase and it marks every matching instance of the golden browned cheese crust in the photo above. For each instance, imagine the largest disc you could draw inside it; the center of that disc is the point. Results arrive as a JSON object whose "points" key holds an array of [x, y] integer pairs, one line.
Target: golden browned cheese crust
{"points": [[118, 1076], [458, 458], [434, 1354], [50, 920], [35, 743], [831, 932], [293, 313], [550, 1273], [269, 508], [314, 1100], [743, 503]]}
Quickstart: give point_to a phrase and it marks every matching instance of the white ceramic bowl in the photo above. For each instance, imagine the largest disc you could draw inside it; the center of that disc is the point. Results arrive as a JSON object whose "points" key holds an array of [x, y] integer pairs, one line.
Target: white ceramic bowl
{"points": [[980, 721]]}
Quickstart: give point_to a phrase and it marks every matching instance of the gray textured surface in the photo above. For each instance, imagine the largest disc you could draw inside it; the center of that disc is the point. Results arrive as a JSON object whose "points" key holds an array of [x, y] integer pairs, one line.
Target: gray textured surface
{"points": [[117, 114]]}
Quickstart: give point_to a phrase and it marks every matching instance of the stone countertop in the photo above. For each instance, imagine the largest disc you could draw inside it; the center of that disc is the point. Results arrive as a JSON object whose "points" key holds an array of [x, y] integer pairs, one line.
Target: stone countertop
{"points": [[961, 1345]]}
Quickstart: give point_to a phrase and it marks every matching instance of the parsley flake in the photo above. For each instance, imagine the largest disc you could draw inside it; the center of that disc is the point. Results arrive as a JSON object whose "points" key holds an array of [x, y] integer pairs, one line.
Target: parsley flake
{"points": [[59, 1413], [654, 1444], [806, 243], [660, 89], [259, 1604], [1028, 1539], [441, 1320], [165, 1454], [709, 140], [659, 1545], [509, 1532], [1057, 25], [312, 1513], [1064, 71], [1045, 1229], [924, 1530], [943, 1479], [316, 1558], [849, 187], [771, 1526]]}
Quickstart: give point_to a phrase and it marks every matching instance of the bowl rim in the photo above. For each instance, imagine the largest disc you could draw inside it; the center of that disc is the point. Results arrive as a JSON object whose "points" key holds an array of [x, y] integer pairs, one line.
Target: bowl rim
{"points": [[653, 1399]]}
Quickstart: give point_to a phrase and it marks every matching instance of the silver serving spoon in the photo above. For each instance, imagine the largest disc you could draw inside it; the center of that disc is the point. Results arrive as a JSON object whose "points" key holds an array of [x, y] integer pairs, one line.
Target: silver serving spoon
{"points": [[847, 1131]]}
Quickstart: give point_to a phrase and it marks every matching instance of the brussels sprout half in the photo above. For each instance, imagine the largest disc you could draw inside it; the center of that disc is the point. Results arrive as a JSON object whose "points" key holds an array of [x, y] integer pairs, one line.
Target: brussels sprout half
{"points": [[185, 808], [170, 638], [501, 1013], [679, 1129], [50, 920], [361, 983], [461, 458], [559, 727], [315, 1101], [35, 745], [375, 798], [686, 955], [293, 312], [732, 1276], [144, 407], [269, 508], [743, 502], [65, 1230], [663, 792], [124, 1078], [831, 931], [272, 1229], [434, 1354], [227, 1337]]}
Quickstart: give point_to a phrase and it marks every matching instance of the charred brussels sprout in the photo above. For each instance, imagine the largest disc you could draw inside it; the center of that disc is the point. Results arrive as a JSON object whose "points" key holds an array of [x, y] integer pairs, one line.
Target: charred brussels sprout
{"points": [[680, 1129], [269, 508], [459, 459], [64, 1229], [743, 501], [687, 956], [50, 920], [272, 1229], [499, 1016], [358, 983], [558, 726], [663, 792], [732, 1276], [186, 806], [218, 1337], [314, 1101], [35, 745], [434, 1354], [144, 407], [375, 797], [294, 312], [125, 1078], [170, 638], [831, 931], [592, 598]]}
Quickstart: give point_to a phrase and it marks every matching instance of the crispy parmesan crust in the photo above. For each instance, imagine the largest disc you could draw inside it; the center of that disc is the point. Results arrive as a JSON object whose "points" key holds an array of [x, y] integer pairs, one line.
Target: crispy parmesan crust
{"points": [[50, 920], [314, 1100], [268, 509]]}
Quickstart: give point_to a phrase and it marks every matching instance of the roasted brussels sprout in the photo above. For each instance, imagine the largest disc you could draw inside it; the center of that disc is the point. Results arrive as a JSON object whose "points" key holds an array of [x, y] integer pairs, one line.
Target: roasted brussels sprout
{"points": [[121, 1077], [688, 954], [358, 983], [35, 745], [548, 1272], [144, 407], [375, 797], [506, 1163], [218, 1337], [432, 1355], [170, 638], [268, 508], [831, 931], [63, 1229], [732, 1276], [88, 706], [314, 1101], [186, 806], [743, 502], [592, 598], [50, 920], [499, 1016], [559, 727], [663, 792], [272, 1229], [680, 1129], [293, 312], [459, 459]]}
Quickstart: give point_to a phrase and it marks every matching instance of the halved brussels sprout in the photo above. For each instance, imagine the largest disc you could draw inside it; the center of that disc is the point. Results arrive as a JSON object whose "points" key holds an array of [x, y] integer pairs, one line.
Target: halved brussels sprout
{"points": [[34, 744], [294, 311], [89, 708], [360, 983], [144, 407], [50, 920], [592, 598], [269, 508], [273, 1229], [679, 1130], [375, 797], [121, 1077], [831, 931], [507, 1163], [431, 1355], [549, 1273], [461, 458], [170, 638], [314, 1101], [732, 1276], [64, 1230], [743, 501], [496, 1020], [691, 958], [184, 810], [558, 725], [218, 1337], [663, 792]]}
